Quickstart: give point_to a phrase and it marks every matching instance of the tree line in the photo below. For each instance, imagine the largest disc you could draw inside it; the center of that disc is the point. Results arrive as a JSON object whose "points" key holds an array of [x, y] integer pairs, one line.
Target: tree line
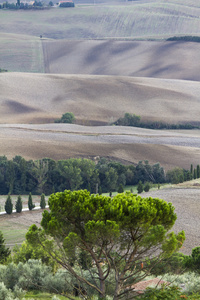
{"points": [[135, 121], [19, 204], [19, 176]]}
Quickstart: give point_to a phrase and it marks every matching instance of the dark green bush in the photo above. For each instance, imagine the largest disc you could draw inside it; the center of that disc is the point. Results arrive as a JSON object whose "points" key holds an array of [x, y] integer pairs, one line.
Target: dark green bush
{"points": [[66, 118]]}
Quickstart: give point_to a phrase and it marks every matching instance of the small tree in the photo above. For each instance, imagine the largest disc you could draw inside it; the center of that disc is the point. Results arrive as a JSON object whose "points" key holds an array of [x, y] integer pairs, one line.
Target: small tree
{"points": [[121, 188], [9, 205], [42, 201], [18, 205], [115, 234], [140, 187], [147, 187], [30, 202], [66, 118], [4, 251]]}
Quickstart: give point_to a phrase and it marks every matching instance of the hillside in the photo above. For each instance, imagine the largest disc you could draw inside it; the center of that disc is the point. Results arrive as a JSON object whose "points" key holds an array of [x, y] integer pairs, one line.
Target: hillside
{"points": [[160, 59], [128, 20], [40, 98]]}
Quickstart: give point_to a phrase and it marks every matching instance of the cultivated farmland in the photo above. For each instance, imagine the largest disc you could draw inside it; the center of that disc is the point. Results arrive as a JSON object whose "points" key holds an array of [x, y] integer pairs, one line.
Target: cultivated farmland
{"points": [[102, 61]]}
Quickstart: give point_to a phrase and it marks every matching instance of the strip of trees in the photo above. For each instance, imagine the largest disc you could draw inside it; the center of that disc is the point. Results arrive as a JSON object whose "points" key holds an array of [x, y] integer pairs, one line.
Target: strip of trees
{"points": [[19, 176]]}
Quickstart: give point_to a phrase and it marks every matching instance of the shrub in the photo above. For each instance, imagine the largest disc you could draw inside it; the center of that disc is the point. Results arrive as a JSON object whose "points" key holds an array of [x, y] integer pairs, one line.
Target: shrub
{"points": [[140, 187], [121, 188], [147, 187], [66, 118]]}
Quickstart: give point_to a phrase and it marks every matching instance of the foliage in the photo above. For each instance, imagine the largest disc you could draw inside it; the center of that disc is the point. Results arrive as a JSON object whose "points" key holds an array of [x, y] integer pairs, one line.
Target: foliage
{"points": [[18, 205], [30, 202], [193, 261], [128, 120], [48, 176], [121, 188], [186, 38], [8, 205], [42, 201], [190, 281], [135, 121], [67, 4], [4, 251], [66, 118], [140, 187], [175, 264], [167, 293], [147, 186], [117, 234], [175, 176]]}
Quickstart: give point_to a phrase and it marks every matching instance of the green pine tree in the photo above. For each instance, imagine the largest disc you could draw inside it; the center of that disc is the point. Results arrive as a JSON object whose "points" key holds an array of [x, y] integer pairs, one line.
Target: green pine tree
{"points": [[18, 205], [30, 202], [42, 201], [9, 205]]}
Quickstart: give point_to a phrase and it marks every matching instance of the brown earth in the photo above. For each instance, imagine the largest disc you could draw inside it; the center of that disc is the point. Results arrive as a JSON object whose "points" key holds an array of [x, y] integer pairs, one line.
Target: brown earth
{"points": [[41, 98], [160, 59], [126, 144]]}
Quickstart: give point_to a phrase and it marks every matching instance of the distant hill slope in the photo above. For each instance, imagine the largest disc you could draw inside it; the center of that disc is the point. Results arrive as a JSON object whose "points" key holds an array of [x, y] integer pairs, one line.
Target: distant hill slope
{"points": [[126, 144], [41, 98], [131, 19], [173, 60]]}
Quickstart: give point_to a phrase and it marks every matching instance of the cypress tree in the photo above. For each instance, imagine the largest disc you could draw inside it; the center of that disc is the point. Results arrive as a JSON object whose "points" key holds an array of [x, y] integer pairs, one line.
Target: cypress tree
{"points": [[195, 174], [191, 171], [140, 187], [9, 205], [18, 205], [42, 201], [198, 171], [30, 202]]}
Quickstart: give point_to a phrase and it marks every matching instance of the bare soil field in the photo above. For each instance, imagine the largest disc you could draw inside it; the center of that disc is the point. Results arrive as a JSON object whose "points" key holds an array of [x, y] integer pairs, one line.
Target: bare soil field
{"points": [[97, 100], [187, 207], [160, 59], [126, 144], [131, 19], [41, 98]]}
